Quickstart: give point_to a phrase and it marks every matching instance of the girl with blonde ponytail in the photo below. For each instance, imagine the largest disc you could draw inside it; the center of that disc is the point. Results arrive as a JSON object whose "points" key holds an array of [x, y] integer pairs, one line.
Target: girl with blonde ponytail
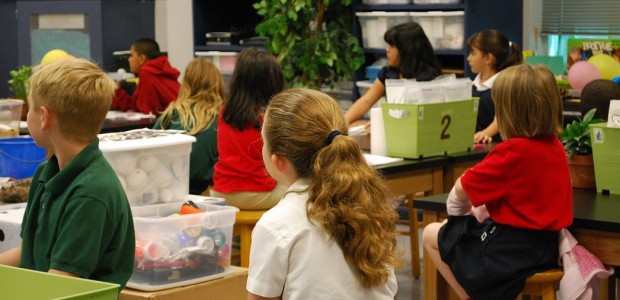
{"points": [[332, 236]]}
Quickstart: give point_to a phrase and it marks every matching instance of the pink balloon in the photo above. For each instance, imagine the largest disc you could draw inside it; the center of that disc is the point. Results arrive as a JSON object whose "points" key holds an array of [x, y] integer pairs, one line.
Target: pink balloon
{"points": [[581, 73]]}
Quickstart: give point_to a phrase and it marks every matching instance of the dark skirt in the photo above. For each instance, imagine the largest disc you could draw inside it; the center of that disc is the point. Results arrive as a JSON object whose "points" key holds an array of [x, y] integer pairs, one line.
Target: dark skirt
{"points": [[491, 260]]}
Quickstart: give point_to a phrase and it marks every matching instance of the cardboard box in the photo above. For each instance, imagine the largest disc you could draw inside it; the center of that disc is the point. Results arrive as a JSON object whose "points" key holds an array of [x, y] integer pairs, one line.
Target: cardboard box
{"points": [[152, 165], [10, 225], [231, 287], [423, 130], [606, 154], [20, 283], [174, 250]]}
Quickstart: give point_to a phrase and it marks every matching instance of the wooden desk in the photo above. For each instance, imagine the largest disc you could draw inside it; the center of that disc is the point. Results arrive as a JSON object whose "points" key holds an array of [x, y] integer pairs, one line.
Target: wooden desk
{"points": [[596, 225], [462, 161], [415, 178]]}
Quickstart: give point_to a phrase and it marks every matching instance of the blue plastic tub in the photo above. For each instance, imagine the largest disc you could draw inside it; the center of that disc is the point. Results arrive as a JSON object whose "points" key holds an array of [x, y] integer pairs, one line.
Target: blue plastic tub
{"points": [[19, 157], [372, 72]]}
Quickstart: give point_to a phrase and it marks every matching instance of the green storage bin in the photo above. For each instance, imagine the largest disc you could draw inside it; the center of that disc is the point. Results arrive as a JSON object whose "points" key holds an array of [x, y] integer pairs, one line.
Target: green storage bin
{"points": [[606, 154], [423, 130], [20, 283]]}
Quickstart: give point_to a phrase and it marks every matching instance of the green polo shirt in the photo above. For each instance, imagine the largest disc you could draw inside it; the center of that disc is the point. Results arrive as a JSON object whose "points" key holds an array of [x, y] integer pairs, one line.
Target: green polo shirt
{"points": [[204, 151], [78, 220]]}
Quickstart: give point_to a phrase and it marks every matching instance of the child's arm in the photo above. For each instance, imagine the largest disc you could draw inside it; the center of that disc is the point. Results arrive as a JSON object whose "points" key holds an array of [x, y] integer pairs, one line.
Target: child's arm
{"points": [[59, 272], [11, 257], [458, 203], [485, 136], [365, 102]]}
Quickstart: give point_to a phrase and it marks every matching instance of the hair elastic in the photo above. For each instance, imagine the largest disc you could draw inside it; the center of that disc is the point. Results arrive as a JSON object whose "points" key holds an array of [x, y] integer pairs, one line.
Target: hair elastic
{"points": [[331, 136]]}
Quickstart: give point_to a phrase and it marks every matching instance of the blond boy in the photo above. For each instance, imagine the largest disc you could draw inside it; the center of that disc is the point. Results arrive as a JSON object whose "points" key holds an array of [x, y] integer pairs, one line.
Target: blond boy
{"points": [[77, 221]]}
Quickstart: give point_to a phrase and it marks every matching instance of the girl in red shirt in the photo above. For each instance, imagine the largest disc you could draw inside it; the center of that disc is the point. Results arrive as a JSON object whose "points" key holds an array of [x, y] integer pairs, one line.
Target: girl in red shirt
{"points": [[524, 185]]}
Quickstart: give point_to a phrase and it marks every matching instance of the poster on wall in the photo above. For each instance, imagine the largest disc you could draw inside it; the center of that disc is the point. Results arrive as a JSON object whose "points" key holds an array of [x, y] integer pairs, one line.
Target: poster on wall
{"points": [[582, 49]]}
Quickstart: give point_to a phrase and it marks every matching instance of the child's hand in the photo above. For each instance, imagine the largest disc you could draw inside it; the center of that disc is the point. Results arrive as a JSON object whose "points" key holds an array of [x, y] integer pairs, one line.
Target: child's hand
{"points": [[481, 138], [481, 213]]}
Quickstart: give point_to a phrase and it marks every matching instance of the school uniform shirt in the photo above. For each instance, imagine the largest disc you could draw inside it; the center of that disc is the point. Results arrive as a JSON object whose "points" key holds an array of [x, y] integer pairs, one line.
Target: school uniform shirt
{"points": [[240, 166], [157, 87], [524, 183], [296, 259], [204, 150], [486, 107], [78, 220]]}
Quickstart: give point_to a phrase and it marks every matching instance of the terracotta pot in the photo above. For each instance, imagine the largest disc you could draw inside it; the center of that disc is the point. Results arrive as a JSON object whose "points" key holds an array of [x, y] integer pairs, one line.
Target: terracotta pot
{"points": [[582, 171]]}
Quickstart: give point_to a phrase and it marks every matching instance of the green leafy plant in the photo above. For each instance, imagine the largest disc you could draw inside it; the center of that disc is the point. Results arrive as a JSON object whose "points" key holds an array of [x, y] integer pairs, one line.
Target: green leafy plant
{"points": [[312, 39], [20, 81], [576, 135]]}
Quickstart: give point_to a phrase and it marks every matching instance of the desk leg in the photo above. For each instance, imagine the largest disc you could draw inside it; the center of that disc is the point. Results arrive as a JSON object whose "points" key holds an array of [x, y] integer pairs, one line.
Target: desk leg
{"points": [[414, 240]]}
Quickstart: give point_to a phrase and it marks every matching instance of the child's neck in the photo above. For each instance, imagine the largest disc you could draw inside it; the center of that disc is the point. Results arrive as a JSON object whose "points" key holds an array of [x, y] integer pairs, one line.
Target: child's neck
{"points": [[485, 75]]}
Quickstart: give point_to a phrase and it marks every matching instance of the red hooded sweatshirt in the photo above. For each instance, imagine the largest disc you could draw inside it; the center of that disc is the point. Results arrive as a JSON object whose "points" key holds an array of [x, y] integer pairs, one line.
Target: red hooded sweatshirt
{"points": [[157, 87]]}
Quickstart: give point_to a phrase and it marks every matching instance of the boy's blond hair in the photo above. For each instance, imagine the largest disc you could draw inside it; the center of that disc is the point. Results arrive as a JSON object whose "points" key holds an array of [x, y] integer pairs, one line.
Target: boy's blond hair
{"points": [[527, 102], [77, 92]]}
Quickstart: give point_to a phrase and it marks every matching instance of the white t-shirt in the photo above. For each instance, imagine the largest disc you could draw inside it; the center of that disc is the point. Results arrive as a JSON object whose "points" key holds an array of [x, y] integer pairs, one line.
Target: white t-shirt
{"points": [[294, 258]]}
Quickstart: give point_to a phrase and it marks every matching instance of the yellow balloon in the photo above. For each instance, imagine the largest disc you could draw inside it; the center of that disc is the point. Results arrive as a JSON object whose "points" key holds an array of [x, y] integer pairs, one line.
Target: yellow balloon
{"points": [[53, 55], [606, 65]]}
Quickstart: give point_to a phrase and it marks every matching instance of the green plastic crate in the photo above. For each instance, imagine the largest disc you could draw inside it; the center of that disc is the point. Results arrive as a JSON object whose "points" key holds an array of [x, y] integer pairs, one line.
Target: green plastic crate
{"points": [[423, 130], [20, 283], [605, 145]]}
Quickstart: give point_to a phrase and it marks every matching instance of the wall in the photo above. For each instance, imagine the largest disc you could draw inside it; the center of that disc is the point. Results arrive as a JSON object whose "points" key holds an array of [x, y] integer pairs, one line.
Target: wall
{"points": [[174, 31]]}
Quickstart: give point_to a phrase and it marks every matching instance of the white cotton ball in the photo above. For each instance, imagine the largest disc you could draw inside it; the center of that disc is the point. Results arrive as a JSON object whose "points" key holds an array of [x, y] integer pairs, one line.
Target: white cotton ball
{"points": [[179, 167], [160, 177], [137, 179], [132, 198], [178, 192], [124, 163], [148, 163], [165, 195]]}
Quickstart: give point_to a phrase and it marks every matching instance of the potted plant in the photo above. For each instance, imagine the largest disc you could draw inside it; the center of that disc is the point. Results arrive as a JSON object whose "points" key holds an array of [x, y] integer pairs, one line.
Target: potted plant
{"points": [[19, 84], [578, 147], [313, 40]]}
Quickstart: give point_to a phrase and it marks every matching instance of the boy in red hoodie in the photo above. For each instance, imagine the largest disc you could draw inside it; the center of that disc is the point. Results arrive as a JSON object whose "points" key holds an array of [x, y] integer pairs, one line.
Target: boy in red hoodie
{"points": [[157, 86]]}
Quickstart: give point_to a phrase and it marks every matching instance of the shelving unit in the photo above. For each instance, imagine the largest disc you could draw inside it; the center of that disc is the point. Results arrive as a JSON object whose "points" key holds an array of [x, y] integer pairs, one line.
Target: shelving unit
{"points": [[506, 16]]}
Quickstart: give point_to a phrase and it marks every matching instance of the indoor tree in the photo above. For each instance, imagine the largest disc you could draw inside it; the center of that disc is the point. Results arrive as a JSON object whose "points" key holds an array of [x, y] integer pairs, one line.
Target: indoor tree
{"points": [[312, 39]]}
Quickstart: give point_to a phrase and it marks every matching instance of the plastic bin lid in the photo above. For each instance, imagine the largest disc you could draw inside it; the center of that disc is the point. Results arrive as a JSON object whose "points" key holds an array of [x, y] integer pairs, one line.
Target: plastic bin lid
{"points": [[382, 14], [437, 13], [142, 139], [11, 102]]}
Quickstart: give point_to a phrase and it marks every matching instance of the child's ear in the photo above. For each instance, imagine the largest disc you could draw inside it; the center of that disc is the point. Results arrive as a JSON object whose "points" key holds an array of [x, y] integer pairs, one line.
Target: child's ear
{"points": [[490, 59], [279, 162], [46, 117]]}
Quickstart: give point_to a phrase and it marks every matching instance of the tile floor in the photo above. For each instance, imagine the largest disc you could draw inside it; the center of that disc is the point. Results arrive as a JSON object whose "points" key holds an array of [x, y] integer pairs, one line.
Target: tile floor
{"points": [[408, 287]]}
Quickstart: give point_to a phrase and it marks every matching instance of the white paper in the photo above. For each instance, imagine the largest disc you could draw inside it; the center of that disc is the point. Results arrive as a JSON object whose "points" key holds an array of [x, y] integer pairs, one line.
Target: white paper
{"points": [[377, 160], [377, 132], [613, 118]]}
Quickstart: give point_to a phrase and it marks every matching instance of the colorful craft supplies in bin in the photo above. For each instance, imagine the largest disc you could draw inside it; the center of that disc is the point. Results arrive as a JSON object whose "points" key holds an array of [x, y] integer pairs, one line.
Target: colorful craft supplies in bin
{"points": [[174, 249]]}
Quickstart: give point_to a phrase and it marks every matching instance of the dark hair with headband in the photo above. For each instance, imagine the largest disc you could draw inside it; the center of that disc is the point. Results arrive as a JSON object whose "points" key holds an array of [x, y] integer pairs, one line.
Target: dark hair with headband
{"points": [[347, 197], [494, 42]]}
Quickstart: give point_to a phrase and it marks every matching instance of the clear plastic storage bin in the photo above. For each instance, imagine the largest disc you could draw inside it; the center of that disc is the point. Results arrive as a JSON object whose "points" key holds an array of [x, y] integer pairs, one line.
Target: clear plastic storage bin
{"points": [[375, 23], [152, 165], [225, 61], [444, 29], [175, 249]]}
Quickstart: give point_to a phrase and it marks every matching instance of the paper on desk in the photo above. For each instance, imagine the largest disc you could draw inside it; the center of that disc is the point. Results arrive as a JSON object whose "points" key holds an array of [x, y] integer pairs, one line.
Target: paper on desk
{"points": [[377, 160], [130, 115], [357, 130]]}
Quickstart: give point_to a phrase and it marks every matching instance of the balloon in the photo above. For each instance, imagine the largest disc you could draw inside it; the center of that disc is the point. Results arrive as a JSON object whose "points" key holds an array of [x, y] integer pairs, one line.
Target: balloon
{"points": [[606, 65], [581, 73], [55, 55]]}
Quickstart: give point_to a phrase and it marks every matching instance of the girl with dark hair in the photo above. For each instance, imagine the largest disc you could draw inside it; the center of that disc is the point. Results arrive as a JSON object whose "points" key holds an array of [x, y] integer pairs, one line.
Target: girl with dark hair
{"points": [[240, 176], [409, 54], [490, 52]]}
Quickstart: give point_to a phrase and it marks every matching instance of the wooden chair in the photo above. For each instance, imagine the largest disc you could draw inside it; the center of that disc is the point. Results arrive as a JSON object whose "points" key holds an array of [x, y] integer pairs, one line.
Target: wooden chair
{"points": [[543, 285], [244, 224]]}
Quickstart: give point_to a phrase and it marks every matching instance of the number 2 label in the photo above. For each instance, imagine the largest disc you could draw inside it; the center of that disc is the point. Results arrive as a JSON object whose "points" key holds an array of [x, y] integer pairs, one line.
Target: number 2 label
{"points": [[445, 121]]}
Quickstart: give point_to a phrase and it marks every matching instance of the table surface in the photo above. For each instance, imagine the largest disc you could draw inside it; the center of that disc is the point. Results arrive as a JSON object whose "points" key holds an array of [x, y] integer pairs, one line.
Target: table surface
{"points": [[115, 125], [591, 210]]}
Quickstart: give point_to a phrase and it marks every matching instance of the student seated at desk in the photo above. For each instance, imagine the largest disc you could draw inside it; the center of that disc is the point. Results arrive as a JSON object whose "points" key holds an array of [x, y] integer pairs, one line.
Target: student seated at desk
{"points": [[409, 54], [333, 234], [523, 183], [240, 176], [78, 221], [196, 110], [157, 85]]}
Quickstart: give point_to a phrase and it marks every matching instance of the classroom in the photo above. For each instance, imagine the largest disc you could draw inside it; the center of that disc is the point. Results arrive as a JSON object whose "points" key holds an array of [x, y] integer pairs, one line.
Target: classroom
{"points": [[292, 149]]}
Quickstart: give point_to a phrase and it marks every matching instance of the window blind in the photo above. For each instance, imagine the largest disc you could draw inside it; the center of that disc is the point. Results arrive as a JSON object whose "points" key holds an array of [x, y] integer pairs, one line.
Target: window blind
{"points": [[581, 17]]}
